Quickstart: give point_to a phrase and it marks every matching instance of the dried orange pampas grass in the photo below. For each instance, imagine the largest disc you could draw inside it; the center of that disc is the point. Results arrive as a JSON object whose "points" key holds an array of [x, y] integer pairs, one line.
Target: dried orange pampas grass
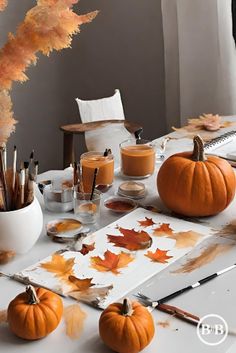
{"points": [[3, 4], [7, 122], [47, 26]]}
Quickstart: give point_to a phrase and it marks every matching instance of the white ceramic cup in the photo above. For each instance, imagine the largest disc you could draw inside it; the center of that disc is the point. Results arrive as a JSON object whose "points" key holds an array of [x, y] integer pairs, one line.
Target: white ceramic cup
{"points": [[20, 229]]}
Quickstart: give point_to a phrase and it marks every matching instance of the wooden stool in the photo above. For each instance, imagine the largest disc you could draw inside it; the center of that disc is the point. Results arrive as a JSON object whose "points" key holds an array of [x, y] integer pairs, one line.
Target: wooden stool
{"points": [[71, 129]]}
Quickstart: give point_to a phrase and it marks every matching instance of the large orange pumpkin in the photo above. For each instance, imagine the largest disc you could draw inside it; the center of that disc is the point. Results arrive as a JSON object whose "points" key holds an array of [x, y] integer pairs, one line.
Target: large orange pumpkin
{"points": [[127, 327], [34, 313], [194, 185]]}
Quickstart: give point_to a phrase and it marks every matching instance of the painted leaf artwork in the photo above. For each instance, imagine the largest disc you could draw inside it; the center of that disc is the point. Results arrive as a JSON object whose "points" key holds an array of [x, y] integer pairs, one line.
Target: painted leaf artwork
{"points": [[147, 222], [159, 256], [81, 284], [61, 267], [131, 239], [123, 255], [86, 248], [163, 230], [111, 262], [84, 290]]}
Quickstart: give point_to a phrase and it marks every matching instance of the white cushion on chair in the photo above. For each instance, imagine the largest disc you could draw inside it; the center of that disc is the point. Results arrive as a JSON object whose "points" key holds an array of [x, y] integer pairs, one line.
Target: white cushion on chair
{"points": [[109, 136], [101, 109]]}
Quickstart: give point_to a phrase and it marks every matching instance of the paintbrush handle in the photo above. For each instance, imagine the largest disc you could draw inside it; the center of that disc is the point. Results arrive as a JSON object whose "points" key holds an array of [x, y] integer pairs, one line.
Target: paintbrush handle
{"points": [[195, 285], [173, 310]]}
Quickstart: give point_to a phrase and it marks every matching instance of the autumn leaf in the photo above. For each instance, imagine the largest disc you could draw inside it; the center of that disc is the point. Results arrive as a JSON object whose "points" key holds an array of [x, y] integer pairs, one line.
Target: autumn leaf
{"points": [[81, 284], [131, 239], [147, 222], [163, 230], [159, 256], [84, 290], [86, 248], [60, 266], [185, 239], [111, 262]]}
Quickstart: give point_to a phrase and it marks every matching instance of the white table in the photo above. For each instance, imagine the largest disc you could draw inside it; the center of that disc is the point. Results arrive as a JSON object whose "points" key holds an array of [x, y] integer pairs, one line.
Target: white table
{"points": [[217, 296]]}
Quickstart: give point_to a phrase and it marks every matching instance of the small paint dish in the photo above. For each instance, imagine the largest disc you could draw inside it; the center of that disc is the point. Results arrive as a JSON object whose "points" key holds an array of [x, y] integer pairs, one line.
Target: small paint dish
{"points": [[132, 189], [120, 204], [64, 229]]}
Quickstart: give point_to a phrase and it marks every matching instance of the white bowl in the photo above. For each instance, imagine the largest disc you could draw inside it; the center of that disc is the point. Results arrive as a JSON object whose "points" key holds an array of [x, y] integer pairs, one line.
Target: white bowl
{"points": [[20, 229]]}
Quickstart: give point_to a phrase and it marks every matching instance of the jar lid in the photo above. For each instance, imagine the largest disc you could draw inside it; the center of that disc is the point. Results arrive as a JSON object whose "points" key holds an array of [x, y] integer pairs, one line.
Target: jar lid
{"points": [[132, 189]]}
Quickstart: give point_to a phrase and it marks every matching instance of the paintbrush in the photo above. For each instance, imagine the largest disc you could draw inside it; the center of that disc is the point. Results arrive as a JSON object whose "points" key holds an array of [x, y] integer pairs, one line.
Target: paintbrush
{"points": [[186, 316], [14, 169], [4, 182], [22, 189], [155, 303], [75, 174], [5, 158], [36, 170], [80, 185], [94, 182]]}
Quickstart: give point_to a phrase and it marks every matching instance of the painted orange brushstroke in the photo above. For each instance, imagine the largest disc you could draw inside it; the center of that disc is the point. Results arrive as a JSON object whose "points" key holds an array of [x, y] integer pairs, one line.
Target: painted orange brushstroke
{"points": [[207, 256], [74, 318]]}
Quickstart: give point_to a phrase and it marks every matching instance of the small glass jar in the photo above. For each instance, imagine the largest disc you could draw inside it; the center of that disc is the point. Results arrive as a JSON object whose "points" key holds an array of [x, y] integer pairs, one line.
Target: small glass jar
{"points": [[137, 160], [105, 164], [87, 210], [58, 200]]}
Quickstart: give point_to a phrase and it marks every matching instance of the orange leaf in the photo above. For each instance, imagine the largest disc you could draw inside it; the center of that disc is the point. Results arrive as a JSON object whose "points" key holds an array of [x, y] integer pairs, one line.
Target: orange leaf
{"points": [[163, 230], [81, 284], [60, 266], [111, 262], [159, 256], [131, 239], [86, 248], [148, 222]]}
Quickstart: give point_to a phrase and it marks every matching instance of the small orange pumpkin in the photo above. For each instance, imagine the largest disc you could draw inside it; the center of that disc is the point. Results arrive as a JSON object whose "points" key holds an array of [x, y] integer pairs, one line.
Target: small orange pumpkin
{"points": [[34, 313], [127, 327], [194, 185]]}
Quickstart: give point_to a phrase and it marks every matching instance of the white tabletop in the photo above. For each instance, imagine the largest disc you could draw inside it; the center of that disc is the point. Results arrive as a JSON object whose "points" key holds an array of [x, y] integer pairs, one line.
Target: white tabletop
{"points": [[215, 297]]}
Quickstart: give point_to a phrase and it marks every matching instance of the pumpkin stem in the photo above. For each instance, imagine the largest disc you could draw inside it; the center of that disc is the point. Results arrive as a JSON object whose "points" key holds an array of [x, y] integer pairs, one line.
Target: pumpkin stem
{"points": [[198, 149], [33, 299], [126, 309]]}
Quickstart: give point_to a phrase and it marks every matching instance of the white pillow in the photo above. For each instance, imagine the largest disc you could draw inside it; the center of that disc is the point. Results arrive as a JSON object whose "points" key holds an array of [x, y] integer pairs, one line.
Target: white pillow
{"points": [[109, 136], [101, 109]]}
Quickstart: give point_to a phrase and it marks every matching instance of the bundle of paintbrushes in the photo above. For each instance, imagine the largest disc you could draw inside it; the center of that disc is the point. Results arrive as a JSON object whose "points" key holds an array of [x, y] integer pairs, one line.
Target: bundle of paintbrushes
{"points": [[16, 185]]}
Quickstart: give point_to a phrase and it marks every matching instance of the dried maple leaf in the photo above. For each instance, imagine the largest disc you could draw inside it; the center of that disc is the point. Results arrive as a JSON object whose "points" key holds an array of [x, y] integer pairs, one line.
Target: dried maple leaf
{"points": [[84, 290], [159, 256], [111, 262], [147, 222], [86, 248], [185, 239], [163, 230], [131, 239], [81, 284], [60, 266]]}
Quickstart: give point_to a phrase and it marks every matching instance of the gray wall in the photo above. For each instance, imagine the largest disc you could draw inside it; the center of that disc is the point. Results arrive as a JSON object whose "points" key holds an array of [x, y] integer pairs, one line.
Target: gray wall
{"points": [[122, 48]]}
